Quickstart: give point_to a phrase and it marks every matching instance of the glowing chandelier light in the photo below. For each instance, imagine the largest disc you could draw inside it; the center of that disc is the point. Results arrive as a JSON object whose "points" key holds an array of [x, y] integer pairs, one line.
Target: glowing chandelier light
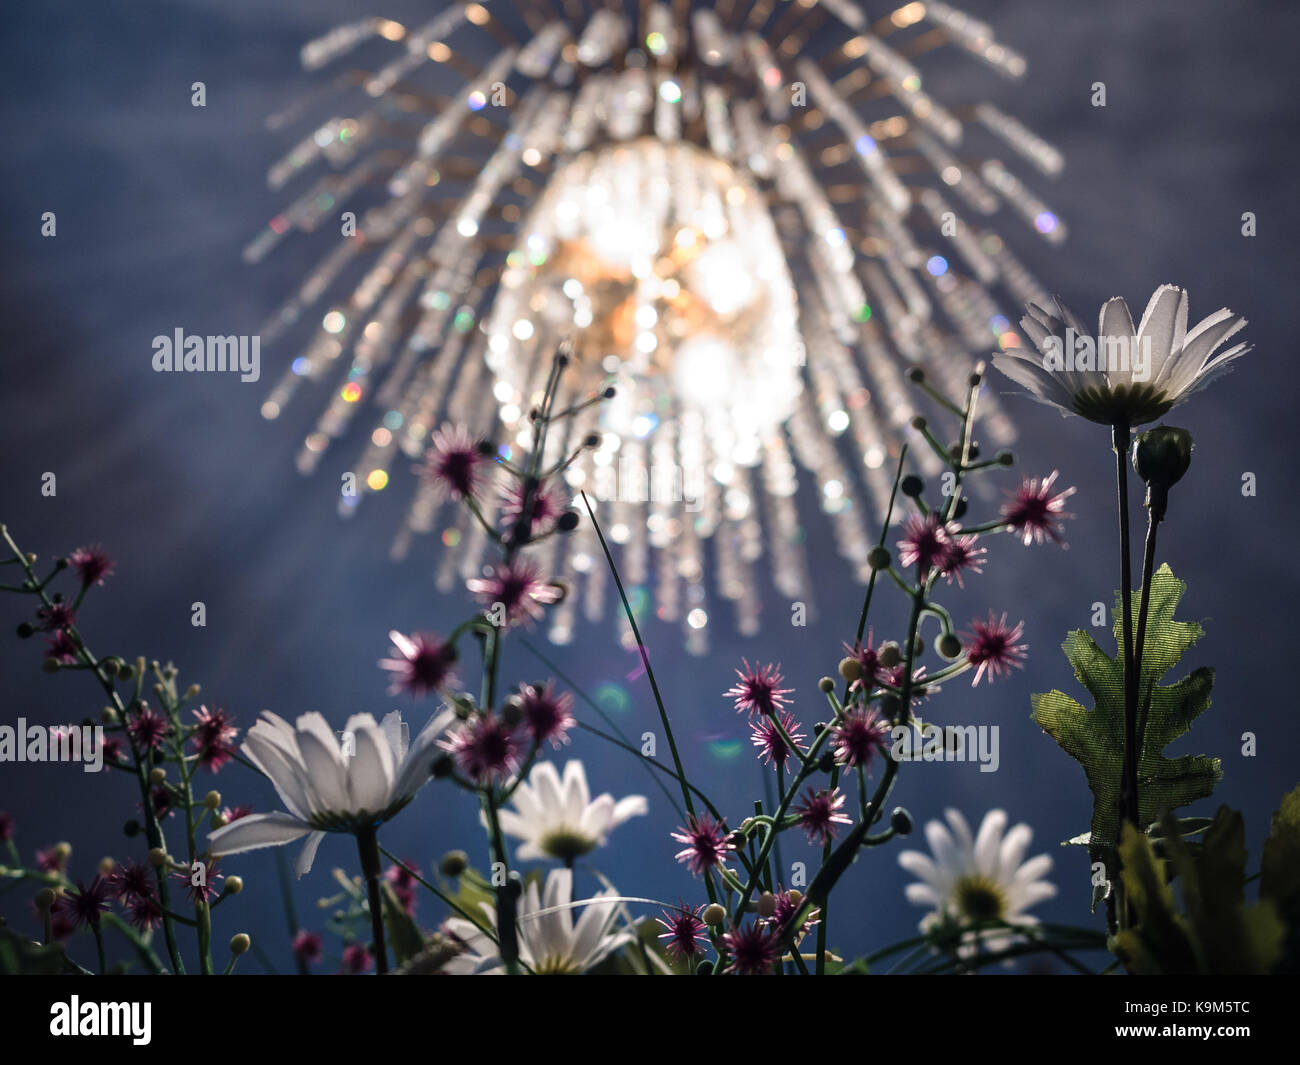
{"points": [[749, 219]]}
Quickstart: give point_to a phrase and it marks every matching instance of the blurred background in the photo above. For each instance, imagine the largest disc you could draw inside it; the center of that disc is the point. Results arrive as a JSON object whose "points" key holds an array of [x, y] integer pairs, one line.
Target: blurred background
{"points": [[197, 499]]}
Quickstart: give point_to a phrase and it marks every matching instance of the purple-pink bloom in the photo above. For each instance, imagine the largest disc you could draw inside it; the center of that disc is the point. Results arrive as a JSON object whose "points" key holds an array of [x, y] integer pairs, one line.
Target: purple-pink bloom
{"points": [[62, 647], [859, 736], [819, 812], [772, 746], [92, 564], [547, 716], [787, 905], [403, 883], [686, 932], [454, 462], [356, 959], [1034, 511], [147, 728], [84, 905], [961, 555], [131, 881], [518, 587], [422, 664], [759, 689], [991, 646], [546, 509], [707, 843], [212, 737], [56, 616], [925, 542], [485, 749], [754, 949], [307, 946]]}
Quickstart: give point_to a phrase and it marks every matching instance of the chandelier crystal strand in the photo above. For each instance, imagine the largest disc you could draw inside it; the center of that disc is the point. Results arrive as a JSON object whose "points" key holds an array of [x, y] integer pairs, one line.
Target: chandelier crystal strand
{"points": [[750, 219]]}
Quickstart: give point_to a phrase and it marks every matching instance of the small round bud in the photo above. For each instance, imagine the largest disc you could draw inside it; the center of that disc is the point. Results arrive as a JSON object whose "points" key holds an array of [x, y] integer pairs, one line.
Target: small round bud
{"points": [[157, 857], [714, 914], [106, 866], [485, 448], [50, 665], [126, 672], [443, 767], [610, 392], [795, 896], [216, 820], [850, 668], [1162, 455], [911, 485], [568, 521], [240, 943], [212, 800], [889, 655], [62, 852], [766, 904], [901, 821], [512, 712], [25, 631], [45, 899], [919, 423], [157, 775], [746, 825], [1005, 458], [591, 441], [112, 666], [826, 684], [879, 558], [31, 558], [515, 884], [453, 863], [918, 646], [826, 762], [948, 646], [916, 375], [131, 829], [234, 885], [108, 715], [60, 563], [192, 691], [890, 704], [975, 378]]}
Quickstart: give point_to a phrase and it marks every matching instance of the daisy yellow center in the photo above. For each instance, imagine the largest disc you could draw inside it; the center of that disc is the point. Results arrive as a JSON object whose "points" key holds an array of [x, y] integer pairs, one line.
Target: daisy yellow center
{"points": [[979, 898], [566, 843], [556, 965]]}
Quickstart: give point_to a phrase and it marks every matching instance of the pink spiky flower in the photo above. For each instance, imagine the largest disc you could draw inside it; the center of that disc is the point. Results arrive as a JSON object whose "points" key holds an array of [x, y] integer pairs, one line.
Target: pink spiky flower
{"points": [[1034, 511], [961, 555], [454, 462], [132, 881], [685, 932], [859, 736], [212, 737], [991, 647], [547, 506], [83, 906], [772, 746], [485, 749], [868, 659], [422, 663], [147, 728], [707, 844], [144, 913], [307, 946], [926, 540], [55, 617], [547, 715], [819, 813], [518, 587], [62, 647], [759, 689], [356, 959], [754, 949], [787, 905], [92, 565], [403, 883], [201, 888]]}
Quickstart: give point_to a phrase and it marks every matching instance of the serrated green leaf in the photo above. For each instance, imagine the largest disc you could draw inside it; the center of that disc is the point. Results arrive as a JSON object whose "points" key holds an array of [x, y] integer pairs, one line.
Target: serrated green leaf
{"points": [[1095, 738], [1280, 865]]}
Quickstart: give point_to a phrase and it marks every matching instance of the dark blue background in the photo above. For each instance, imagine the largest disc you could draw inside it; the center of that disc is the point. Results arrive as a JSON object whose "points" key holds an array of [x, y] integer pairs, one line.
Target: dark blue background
{"points": [[196, 497]]}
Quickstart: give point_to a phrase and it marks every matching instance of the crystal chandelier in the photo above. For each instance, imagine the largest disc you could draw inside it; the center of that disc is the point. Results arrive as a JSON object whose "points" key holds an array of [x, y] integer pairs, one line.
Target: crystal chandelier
{"points": [[750, 220]]}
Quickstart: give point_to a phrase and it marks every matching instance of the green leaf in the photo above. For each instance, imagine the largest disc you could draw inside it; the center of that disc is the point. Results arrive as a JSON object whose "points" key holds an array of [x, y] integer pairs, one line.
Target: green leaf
{"points": [[1217, 933], [20, 956], [1095, 738], [404, 935], [1280, 865]]}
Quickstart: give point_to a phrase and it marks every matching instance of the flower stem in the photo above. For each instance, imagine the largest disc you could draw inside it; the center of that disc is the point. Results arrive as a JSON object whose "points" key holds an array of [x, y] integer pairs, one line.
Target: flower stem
{"points": [[507, 933], [368, 848], [1128, 774], [1154, 517]]}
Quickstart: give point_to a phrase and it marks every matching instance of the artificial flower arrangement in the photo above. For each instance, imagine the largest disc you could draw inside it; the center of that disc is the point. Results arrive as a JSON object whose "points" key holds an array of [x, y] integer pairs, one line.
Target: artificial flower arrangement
{"points": [[1173, 887]]}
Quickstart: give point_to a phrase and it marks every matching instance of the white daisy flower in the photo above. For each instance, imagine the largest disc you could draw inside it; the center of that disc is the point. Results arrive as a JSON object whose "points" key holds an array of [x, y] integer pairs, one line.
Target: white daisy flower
{"points": [[558, 818], [1121, 376], [551, 942], [984, 878], [327, 786]]}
